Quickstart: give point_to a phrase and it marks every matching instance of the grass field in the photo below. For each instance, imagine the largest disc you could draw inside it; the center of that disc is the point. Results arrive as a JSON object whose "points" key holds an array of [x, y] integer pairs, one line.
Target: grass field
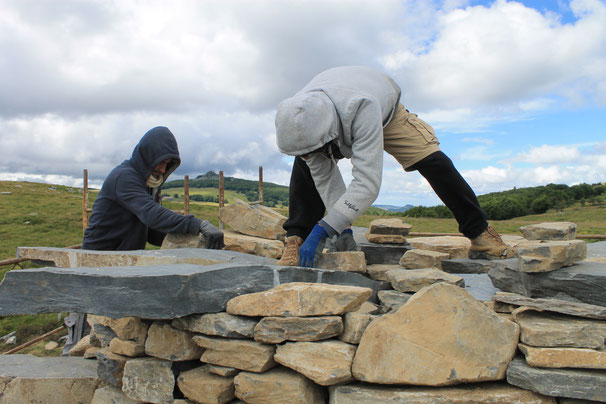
{"points": [[229, 195], [35, 214]]}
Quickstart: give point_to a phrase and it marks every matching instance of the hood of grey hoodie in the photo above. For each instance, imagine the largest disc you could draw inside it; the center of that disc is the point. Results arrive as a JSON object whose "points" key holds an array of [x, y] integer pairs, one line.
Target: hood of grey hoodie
{"points": [[306, 122]]}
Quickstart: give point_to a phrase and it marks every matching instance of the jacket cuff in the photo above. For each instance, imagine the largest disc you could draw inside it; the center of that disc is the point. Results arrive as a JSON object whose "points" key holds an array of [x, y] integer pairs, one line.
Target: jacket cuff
{"points": [[336, 221], [194, 225]]}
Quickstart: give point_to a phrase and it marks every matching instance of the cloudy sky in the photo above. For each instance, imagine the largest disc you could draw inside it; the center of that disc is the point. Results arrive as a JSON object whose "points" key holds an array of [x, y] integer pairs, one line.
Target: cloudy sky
{"points": [[515, 89]]}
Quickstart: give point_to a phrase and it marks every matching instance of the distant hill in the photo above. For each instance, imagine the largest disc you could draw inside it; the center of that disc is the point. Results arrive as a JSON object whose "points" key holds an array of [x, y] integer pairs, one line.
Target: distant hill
{"points": [[273, 194], [392, 208]]}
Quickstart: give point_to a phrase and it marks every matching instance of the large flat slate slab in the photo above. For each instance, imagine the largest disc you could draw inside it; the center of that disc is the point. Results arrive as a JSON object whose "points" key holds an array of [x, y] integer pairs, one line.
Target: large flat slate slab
{"points": [[572, 383], [582, 282], [153, 292], [71, 258], [33, 367], [595, 250]]}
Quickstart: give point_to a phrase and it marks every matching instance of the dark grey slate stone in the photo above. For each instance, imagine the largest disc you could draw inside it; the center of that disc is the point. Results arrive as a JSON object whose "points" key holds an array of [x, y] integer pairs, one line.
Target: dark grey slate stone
{"points": [[101, 335], [110, 368], [152, 292], [33, 367], [572, 383], [597, 249], [582, 282], [383, 253], [555, 305], [465, 266], [479, 286]]}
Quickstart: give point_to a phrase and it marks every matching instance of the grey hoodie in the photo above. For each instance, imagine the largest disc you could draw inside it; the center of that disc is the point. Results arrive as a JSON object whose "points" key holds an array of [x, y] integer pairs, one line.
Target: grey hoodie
{"points": [[351, 105]]}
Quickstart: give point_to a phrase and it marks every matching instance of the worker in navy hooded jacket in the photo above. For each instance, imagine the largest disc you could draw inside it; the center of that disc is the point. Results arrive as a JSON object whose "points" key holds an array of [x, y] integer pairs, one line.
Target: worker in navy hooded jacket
{"points": [[354, 112], [126, 214]]}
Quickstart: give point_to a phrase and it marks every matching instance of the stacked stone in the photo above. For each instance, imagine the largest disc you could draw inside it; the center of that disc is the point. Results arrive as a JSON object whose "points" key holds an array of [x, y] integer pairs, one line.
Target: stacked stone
{"points": [[309, 343], [561, 342], [255, 229], [388, 231]]}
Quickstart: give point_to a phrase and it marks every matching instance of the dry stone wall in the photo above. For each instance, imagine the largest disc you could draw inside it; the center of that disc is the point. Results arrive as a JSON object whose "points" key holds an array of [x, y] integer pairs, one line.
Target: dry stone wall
{"points": [[413, 333]]}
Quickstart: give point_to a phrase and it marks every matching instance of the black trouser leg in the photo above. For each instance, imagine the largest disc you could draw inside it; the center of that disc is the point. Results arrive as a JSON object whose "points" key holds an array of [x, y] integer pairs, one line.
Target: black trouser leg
{"points": [[454, 191], [305, 206]]}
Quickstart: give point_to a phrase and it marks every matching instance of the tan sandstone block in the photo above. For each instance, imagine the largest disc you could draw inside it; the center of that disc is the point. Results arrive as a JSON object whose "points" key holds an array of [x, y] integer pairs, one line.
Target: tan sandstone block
{"points": [[385, 238], [279, 385], [350, 261], [129, 328], [300, 299], [354, 325], [180, 240], [326, 362], [416, 259], [378, 272], [81, 346], [237, 353], [204, 387], [111, 395], [433, 340], [478, 393], [253, 245], [393, 226], [564, 357], [166, 342], [127, 348], [413, 280], [543, 329], [550, 231], [253, 220], [454, 246], [536, 256], [275, 330], [149, 380]]}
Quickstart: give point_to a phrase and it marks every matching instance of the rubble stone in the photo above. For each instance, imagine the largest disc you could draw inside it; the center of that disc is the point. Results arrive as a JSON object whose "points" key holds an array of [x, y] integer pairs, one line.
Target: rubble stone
{"points": [[300, 299], [129, 328], [378, 272], [201, 386], [180, 240], [48, 380], [81, 346], [354, 325], [351, 261], [253, 245], [585, 384], [275, 330], [279, 385], [326, 362], [110, 367], [466, 266], [454, 246], [382, 254], [550, 231], [392, 299], [413, 280], [416, 259], [111, 395], [236, 353], [127, 348], [476, 393], [217, 324], [536, 256], [101, 335], [557, 330], [546, 357], [253, 220], [554, 305], [432, 341], [393, 226], [583, 282], [166, 342], [149, 380]]}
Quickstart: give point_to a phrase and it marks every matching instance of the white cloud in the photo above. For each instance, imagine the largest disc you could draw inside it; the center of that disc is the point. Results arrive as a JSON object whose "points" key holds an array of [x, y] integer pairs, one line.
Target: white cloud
{"points": [[83, 81]]}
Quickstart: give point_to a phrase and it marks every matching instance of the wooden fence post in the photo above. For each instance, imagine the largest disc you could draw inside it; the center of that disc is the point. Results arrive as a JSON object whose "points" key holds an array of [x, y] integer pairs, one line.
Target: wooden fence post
{"points": [[85, 201], [261, 185], [221, 197], [186, 195]]}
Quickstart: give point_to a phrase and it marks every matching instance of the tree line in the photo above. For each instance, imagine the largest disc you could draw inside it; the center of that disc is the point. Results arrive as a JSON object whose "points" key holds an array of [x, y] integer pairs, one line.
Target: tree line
{"points": [[524, 201]]}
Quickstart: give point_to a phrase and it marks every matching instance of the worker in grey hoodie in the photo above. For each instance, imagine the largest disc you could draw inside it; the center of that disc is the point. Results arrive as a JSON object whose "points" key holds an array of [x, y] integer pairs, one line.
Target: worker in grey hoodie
{"points": [[354, 112]]}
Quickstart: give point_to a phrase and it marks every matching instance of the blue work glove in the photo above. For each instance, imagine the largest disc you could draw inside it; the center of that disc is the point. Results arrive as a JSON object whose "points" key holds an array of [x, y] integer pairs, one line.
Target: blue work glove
{"points": [[315, 240], [345, 241]]}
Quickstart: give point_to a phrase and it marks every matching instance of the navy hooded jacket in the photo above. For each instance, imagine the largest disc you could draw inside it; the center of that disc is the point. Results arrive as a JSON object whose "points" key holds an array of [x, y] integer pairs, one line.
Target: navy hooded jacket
{"points": [[125, 214]]}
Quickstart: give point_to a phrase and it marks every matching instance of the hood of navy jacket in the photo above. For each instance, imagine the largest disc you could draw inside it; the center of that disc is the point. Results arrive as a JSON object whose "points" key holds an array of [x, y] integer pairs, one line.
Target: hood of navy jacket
{"points": [[157, 145]]}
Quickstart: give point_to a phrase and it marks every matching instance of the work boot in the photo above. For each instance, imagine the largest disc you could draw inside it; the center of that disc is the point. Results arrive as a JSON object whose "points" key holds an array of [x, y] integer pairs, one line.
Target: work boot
{"points": [[290, 257], [489, 245]]}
